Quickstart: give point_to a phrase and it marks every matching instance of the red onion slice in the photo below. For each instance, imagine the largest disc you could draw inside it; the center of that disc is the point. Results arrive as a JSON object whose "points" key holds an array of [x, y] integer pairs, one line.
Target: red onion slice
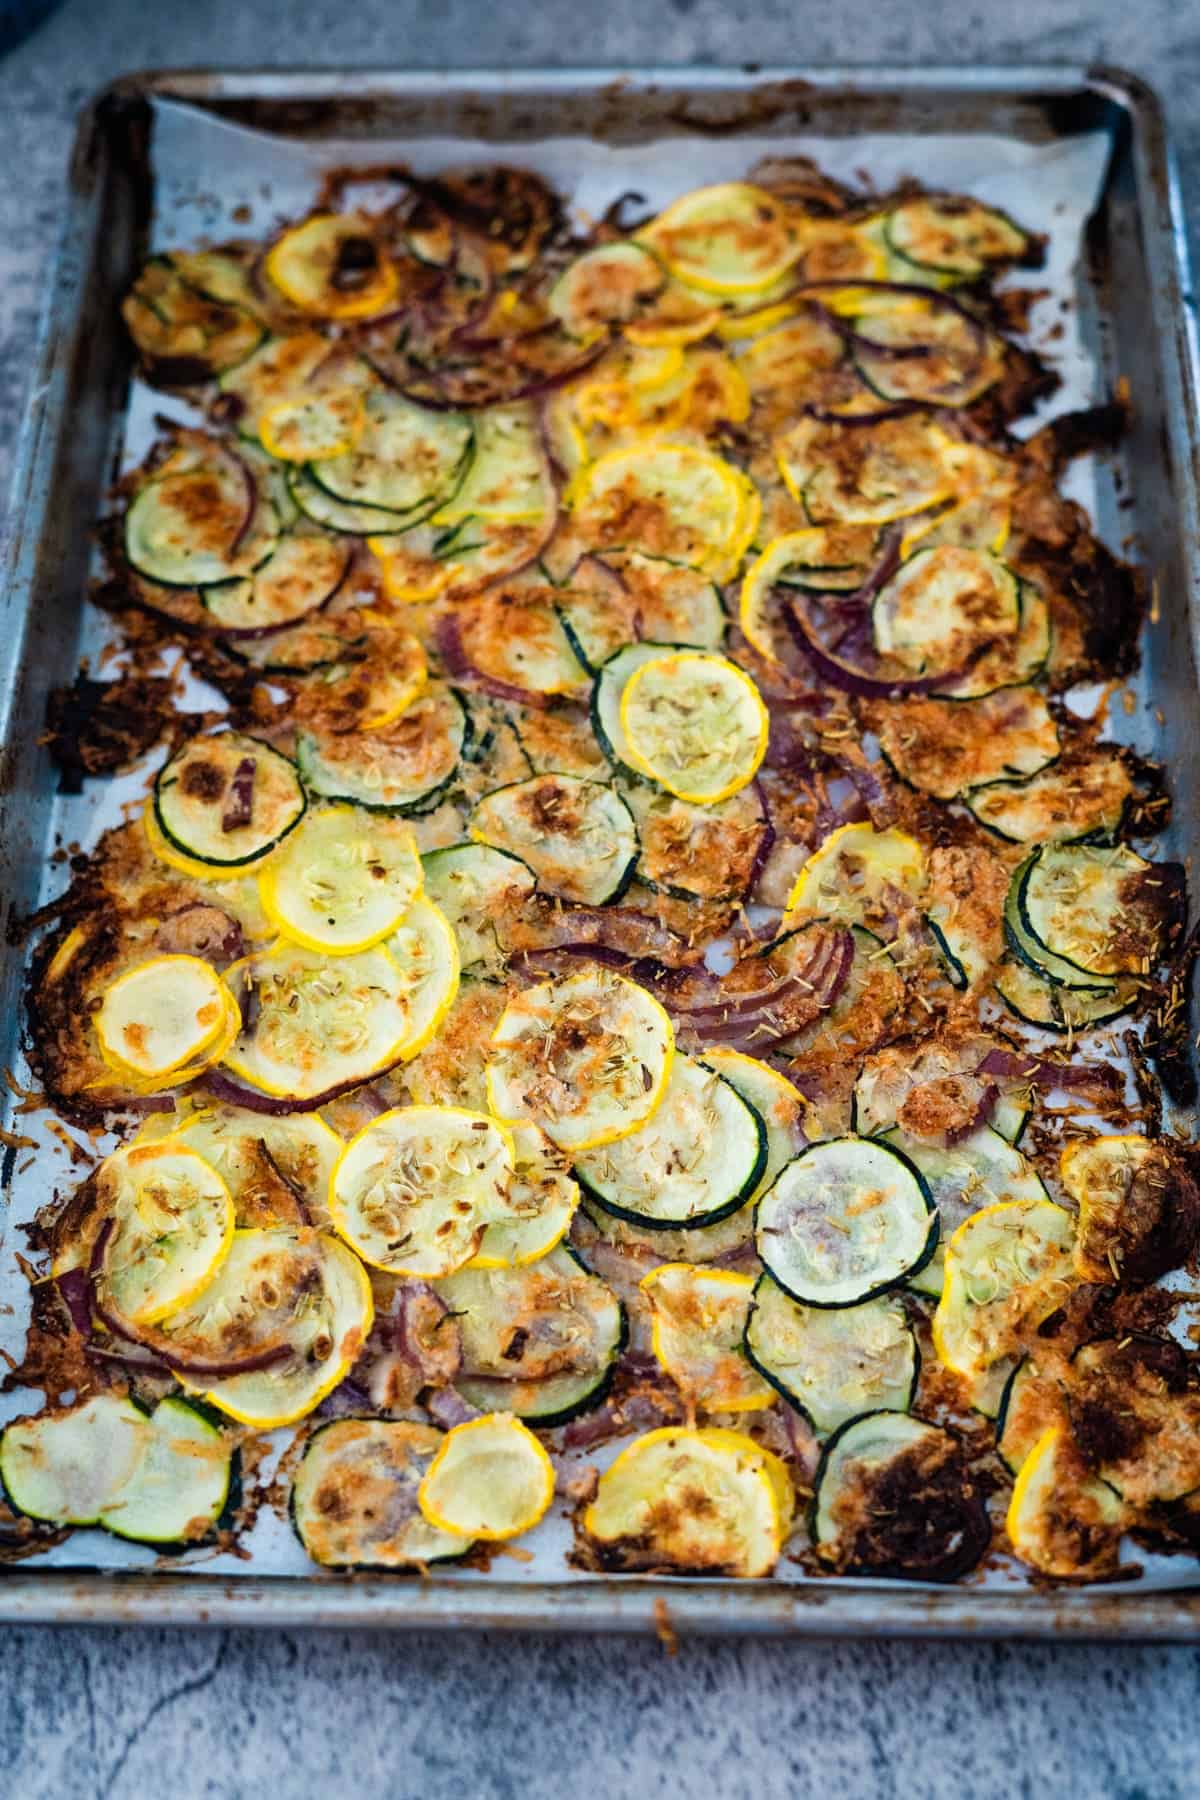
{"points": [[448, 636]]}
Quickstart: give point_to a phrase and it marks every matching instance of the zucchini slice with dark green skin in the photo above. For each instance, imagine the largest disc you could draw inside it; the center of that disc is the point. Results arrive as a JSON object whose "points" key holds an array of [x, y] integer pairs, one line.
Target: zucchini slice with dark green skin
{"points": [[894, 1496], [1052, 1007], [226, 800], [980, 1170], [948, 747], [1098, 910], [610, 285], [183, 334], [697, 852], [354, 1497], [833, 1365], [540, 1341], [1081, 797], [1026, 948], [317, 504], [578, 837], [846, 1220], [929, 351], [200, 518], [942, 606], [1011, 661], [407, 767], [953, 236], [471, 883], [407, 462], [159, 1478], [301, 574], [697, 1159], [299, 649], [628, 597]]}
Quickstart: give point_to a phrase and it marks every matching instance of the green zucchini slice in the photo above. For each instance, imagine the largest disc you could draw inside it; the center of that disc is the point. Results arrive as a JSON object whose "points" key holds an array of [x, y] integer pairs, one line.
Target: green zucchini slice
{"points": [[611, 285], [407, 767], [927, 351], [321, 507], [578, 837], [301, 649], [697, 852], [540, 1341], [942, 606], [69, 1466], [183, 334], [698, 1158], [846, 1220], [1098, 910], [773, 1097], [867, 476], [629, 597], [287, 368], [948, 747], [1010, 661], [1052, 1007], [200, 519], [472, 883], [1034, 956], [227, 800], [833, 1365], [516, 636], [354, 1497], [894, 1496], [507, 474], [981, 1170], [299, 576], [407, 462], [1084, 796], [158, 1478], [953, 236], [1033, 1400], [181, 1487]]}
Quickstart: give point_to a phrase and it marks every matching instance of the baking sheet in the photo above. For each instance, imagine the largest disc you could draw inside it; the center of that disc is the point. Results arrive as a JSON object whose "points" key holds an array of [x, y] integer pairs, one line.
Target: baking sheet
{"points": [[217, 179]]}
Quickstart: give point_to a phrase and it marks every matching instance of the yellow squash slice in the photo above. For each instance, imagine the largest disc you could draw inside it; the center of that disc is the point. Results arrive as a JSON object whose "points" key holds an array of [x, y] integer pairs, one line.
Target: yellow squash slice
{"points": [[162, 1015], [847, 876], [170, 1227], [1008, 1267], [587, 1058], [696, 724], [415, 1190], [706, 1502], [732, 238], [491, 1479], [698, 1324], [343, 880]]}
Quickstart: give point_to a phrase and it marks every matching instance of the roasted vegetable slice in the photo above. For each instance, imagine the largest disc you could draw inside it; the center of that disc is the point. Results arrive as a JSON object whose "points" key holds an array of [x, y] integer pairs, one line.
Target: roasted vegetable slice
{"points": [[667, 499], [1007, 1268], [732, 238], [405, 767], [876, 473], [698, 1158], [334, 267], [894, 1496], [1061, 1009], [200, 518], [473, 884], [1061, 1520], [161, 1016], [169, 1226], [407, 460], [1083, 796], [707, 1502], [833, 1365], [183, 334], [694, 723], [698, 1322], [542, 1198], [953, 236], [491, 1479], [413, 1192], [942, 607], [626, 597], [343, 880], [354, 1498], [849, 876], [979, 1170], [845, 1220], [540, 1342], [1102, 911], [588, 1058], [1139, 1207], [226, 801], [271, 1165], [949, 747], [578, 837], [614, 284]]}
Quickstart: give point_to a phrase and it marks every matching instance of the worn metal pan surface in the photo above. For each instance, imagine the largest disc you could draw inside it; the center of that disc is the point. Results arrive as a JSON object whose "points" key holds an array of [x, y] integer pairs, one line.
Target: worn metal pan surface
{"points": [[164, 157]]}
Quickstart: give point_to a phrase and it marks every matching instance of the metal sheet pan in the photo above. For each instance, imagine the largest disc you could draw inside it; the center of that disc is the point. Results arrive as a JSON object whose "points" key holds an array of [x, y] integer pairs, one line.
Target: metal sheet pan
{"points": [[135, 173]]}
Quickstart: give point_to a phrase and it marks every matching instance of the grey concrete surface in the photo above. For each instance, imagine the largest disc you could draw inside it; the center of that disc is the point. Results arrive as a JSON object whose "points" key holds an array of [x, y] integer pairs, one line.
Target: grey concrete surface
{"points": [[102, 1712]]}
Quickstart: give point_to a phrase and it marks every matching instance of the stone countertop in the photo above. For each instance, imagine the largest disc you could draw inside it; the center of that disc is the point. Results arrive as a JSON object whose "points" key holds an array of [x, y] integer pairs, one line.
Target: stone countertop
{"points": [[87, 1711]]}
